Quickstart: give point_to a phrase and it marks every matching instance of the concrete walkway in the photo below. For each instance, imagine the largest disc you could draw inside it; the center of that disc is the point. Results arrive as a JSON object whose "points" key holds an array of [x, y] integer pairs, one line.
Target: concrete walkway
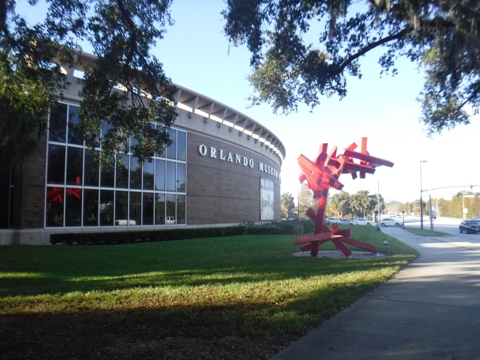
{"points": [[429, 310]]}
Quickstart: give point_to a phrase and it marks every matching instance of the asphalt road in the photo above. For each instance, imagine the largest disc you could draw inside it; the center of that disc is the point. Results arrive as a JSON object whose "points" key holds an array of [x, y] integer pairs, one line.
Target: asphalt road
{"points": [[448, 226]]}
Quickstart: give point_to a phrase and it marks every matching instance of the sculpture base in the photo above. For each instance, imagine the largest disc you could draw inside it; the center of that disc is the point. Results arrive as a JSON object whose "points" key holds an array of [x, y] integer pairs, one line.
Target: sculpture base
{"points": [[337, 254]]}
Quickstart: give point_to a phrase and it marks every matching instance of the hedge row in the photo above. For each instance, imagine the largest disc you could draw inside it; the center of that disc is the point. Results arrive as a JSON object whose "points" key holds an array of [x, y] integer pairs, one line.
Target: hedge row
{"points": [[294, 227], [125, 237]]}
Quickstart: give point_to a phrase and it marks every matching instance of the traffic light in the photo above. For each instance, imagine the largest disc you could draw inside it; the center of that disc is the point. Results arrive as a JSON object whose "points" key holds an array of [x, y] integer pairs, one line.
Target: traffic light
{"points": [[459, 195]]}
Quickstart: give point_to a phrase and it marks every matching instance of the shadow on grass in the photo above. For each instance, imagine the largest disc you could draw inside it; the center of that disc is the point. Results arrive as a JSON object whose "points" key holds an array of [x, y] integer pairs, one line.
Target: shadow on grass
{"points": [[293, 313], [194, 276], [47, 270]]}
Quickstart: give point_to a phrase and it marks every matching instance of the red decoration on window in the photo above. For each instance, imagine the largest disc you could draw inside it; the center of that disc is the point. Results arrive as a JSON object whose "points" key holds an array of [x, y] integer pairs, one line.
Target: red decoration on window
{"points": [[323, 174], [56, 194]]}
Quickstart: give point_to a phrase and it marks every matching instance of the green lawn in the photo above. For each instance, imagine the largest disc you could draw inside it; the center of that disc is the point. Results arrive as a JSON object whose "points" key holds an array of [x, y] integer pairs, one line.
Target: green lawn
{"points": [[425, 231], [242, 285]]}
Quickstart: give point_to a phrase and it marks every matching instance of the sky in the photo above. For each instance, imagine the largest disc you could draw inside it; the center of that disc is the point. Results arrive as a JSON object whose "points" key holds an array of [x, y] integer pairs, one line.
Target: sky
{"points": [[196, 54]]}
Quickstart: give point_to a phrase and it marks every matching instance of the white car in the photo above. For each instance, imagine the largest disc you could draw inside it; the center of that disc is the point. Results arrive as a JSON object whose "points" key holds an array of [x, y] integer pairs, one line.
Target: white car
{"points": [[345, 222], [390, 222], [365, 222], [331, 220]]}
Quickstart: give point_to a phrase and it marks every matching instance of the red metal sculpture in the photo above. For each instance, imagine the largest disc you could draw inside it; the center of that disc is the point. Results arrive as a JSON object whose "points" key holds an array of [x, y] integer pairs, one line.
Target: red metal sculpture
{"points": [[323, 174]]}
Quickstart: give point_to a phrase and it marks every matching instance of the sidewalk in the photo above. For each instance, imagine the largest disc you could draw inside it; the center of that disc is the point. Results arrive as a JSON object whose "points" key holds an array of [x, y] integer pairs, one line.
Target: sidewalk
{"points": [[429, 310]]}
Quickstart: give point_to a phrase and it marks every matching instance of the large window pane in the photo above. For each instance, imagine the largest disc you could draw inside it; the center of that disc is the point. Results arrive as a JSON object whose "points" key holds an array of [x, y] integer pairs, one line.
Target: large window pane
{"points": [[181, 177], [74, 165], [172, 149], [108, 174], [105, 128], [136, 208], [171, 176], [106, 207], [73, 119], [90, 207], [160, 175], [73, 207], [163, 130], [135, 174], [180, 209], [56, 164], [58, 123], [159, 209], [55, 200], [91, 168], [148, 175], [147, 209], [171, 211], [181, 146], [133, 142], [121, 208], [122, 172], [74, 197]]}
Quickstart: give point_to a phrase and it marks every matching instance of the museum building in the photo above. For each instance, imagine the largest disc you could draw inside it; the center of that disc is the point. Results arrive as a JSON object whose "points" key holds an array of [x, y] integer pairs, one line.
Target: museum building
{"points": [[221, 168]]}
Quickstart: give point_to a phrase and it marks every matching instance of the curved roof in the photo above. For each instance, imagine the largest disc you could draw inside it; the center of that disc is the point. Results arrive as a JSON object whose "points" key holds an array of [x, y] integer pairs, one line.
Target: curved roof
{"points": [[193, 102], [196, 103]]}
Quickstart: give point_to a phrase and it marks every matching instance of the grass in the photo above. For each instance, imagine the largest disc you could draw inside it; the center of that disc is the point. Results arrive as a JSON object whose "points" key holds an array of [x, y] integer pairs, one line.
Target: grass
{"points": [[243, 285], [424, 232]]}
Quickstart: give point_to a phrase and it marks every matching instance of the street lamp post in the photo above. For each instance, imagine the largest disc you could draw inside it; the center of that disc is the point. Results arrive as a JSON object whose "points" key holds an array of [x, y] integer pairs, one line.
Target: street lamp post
{"points": [[421, 193]]}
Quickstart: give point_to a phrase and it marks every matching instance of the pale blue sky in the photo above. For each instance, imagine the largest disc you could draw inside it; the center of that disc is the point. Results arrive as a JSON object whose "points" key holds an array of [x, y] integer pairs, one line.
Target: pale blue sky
{"points": [[196, 55]]}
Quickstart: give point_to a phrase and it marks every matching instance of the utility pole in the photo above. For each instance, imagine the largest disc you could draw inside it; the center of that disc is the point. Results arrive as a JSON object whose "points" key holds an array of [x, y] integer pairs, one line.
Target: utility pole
{"points": [[421, 193]]}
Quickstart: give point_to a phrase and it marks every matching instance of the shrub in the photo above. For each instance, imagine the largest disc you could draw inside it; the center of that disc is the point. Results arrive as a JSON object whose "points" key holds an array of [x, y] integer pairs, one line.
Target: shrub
{"points": [[278, 228], [124, 237]]}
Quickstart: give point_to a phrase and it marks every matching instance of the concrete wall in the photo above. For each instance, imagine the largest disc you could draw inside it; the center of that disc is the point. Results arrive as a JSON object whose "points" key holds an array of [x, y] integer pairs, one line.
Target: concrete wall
{"points": [[221, 191]]}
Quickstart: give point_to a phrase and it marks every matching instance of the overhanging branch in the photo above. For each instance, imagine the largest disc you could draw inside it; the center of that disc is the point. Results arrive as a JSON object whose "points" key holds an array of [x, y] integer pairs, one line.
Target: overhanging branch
{"points": [[133, 30], [367, 48]]}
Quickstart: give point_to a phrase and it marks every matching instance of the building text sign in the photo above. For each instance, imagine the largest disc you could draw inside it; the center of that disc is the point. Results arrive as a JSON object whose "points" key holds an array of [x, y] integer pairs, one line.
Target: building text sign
{"points": [[236, 159]]}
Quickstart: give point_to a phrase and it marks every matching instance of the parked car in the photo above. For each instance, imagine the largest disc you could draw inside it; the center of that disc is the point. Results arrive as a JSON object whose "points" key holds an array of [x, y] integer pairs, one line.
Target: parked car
{"points": [[365, 222], [477, 218], [469, 226], [390, 222], [345, 221], [331, 220]]}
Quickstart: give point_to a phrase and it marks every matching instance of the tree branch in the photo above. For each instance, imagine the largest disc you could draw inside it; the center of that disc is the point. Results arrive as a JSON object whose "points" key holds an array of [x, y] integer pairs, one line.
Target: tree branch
{"points": [[133, 30], [3, 18], [366, 49], [471, 97]]}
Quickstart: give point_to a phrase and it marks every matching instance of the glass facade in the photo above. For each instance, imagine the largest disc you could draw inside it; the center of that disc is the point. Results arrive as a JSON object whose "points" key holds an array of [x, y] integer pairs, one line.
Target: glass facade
{"points": [[124, 193]]}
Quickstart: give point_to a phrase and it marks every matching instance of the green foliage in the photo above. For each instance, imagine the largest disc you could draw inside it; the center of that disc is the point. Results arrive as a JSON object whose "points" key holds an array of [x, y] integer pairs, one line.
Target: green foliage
{"points": [[125, 87], [286, 204], [28, 87], [442, 36], [340, 204], [361, 204], [291, 227], [424, 232], [125, 237], [306, 201]]}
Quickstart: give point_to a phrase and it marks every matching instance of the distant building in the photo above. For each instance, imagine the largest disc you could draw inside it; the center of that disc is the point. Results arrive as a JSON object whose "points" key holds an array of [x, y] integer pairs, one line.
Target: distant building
{"points": [[222, 168]]}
